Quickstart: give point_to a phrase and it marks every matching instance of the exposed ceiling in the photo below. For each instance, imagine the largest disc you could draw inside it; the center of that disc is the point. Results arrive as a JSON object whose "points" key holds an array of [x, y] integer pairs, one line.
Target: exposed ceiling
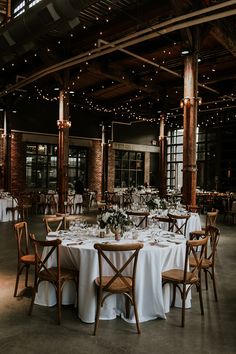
{"points": [[122, 57]]}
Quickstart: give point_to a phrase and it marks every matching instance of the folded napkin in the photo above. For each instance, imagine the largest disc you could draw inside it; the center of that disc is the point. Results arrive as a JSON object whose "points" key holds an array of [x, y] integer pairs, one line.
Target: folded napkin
{"points": [[163, 244], [176, 241], [52, 234]]}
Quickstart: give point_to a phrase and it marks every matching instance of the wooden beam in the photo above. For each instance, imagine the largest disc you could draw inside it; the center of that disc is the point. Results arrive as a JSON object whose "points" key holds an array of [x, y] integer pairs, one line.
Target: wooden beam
{"points": [[225, 36]]}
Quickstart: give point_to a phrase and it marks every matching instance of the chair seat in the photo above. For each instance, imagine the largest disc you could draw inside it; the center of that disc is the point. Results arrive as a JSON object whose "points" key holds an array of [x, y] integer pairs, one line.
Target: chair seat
{"points": [[177, 275], [66, 274], [12, 208], [198, 232], [206, 263], [25, 259], [28, 258], [122, 278], [117, 285]]}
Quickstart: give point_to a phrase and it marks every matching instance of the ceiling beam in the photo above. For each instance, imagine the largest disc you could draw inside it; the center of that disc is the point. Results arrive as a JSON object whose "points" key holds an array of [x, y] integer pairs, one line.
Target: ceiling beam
{"points": [[225, 36], [191, 19], [120, 77]]}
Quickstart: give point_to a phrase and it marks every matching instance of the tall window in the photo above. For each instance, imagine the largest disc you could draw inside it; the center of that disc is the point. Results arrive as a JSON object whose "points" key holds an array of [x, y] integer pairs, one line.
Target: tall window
{"points": [[175, 159], [129, 168], [41, 165], [207, 167], [77, 165]]}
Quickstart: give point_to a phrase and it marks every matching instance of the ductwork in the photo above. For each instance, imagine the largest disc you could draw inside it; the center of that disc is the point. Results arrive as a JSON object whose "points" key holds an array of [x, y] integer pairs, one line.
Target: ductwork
{"points": [[49, 17]]}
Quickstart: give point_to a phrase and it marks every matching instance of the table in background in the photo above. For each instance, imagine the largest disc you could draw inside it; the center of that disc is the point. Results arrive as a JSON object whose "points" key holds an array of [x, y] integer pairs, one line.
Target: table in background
{"points": [[7, 202]]}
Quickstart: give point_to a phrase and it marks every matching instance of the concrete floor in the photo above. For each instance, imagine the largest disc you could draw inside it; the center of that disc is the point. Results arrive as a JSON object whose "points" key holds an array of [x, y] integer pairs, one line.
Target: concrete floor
{"points": [[213, 333]]}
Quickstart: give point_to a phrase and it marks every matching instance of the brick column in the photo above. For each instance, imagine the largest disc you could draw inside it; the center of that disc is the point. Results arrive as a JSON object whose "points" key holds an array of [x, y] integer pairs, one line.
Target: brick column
{"points": [[95, 168], [17, 183]]}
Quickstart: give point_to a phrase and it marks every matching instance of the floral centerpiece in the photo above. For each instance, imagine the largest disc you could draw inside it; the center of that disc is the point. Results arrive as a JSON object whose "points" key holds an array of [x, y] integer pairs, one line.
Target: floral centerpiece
{"points": [[116, 219], [156, 203]]}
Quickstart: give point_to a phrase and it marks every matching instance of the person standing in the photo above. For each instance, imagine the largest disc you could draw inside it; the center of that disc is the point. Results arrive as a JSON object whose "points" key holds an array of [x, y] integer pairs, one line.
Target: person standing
{"points": [[79, 191]]}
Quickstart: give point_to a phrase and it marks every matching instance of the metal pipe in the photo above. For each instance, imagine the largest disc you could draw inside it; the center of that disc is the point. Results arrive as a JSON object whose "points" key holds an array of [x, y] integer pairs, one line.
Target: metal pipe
{"points": [[178, 19]]}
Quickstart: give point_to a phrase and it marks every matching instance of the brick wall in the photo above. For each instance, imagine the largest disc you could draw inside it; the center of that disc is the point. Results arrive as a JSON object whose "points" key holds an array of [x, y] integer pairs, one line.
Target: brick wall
{"points": [[111, 169], [147, 168], [1, 162], [17, 164], [95, 167]]}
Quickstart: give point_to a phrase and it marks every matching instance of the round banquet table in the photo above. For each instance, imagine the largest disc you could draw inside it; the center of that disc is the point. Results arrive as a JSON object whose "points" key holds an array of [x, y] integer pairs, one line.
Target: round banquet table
{"points": [[153, 301]]}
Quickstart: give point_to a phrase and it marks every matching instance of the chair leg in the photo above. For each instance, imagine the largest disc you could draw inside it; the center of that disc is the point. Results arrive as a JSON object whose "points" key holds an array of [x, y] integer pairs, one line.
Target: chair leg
{"points": [[77, 292], [214, 284], [20, 268], [199, 288], [26, 275], [17, 281], [59, 295], [127, 306], [99, 299], [136, 314], [174, 295], [32, 299], [206, 280], [183, 305]]}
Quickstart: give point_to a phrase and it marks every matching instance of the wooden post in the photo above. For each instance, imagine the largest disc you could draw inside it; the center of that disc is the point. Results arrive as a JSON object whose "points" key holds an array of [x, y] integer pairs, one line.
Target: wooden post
{"points": [[63, 149], [6, 150], [162, 159], [104, 160], [190, 103]]}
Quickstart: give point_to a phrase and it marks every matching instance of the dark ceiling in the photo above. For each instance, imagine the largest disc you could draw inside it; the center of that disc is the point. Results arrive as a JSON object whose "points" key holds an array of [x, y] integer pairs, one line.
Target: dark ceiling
{"points": [[122, 58]]}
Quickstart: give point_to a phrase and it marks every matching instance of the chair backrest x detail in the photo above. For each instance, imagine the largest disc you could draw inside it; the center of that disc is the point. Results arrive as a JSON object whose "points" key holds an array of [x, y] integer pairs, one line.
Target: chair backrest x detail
{"points": [[53, 223], [22, 238], [118, 271], [178, 223], [196, 249], [43, 251]]}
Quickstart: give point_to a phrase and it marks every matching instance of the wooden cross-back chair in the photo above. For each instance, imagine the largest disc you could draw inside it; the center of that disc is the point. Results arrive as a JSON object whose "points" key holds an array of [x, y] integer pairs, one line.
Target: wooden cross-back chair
{"points": [[211, 220], [184, 279], [178, 223], [53, 223], [13, 209], [86, 201], [144, 197], [118, 283], [70, 203], [162, 221], [56, 275], [50, 203], [112, 198], [24, 205], [25, 257], [93, 198], [208, 262], [71, 218], [142, 217], [127, 200]]}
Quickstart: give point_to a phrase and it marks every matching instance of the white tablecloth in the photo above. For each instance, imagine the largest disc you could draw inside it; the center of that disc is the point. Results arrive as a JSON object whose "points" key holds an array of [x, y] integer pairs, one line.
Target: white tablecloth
{"points": [[5, 203], [78, 199], [152, 300]]}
